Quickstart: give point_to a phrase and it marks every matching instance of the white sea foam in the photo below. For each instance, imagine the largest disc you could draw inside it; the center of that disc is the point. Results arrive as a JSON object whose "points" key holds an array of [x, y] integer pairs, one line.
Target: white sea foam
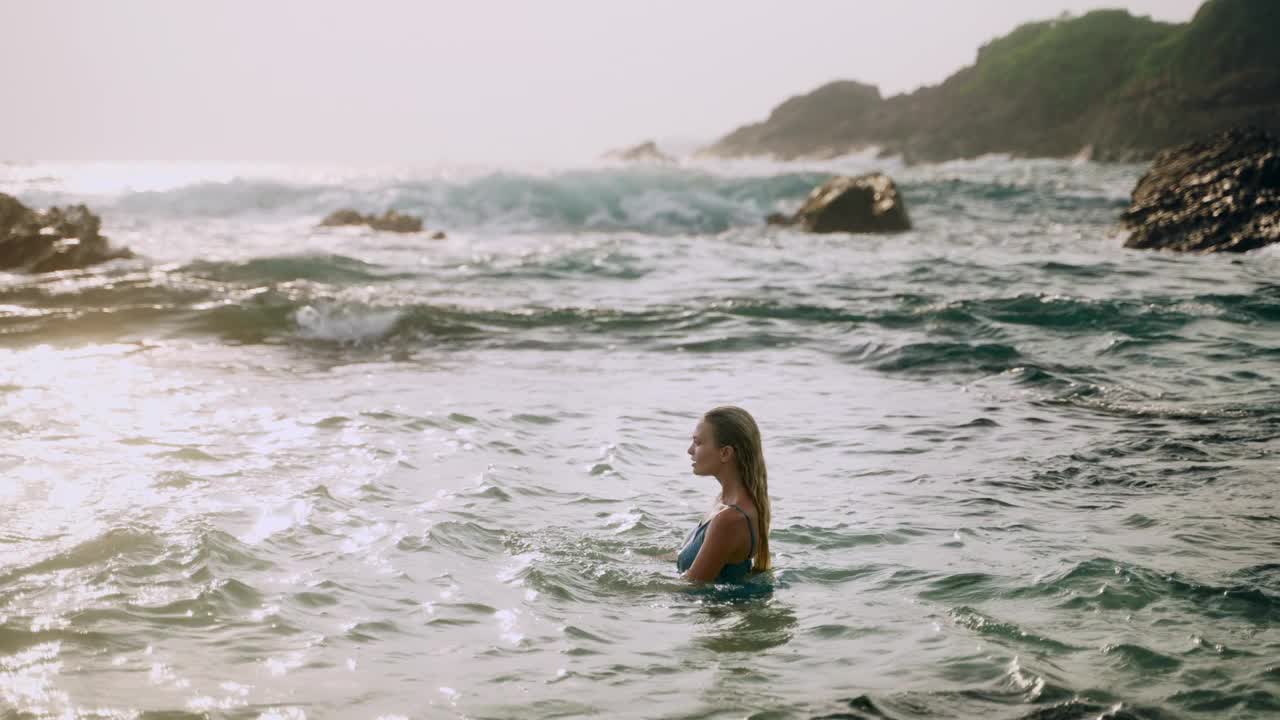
{"points": [[344, 324]]}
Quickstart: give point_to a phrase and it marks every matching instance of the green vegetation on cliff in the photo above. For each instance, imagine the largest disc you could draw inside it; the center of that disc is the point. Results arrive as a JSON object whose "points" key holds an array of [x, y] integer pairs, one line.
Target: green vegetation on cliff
{"points": [[1120, 86], [1057, 69], [1226, 38]]}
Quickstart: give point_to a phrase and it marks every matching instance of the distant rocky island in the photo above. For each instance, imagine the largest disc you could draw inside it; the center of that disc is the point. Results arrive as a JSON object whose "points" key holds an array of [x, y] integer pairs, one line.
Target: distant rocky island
{"points": [[1107, 85], [646, 152]]}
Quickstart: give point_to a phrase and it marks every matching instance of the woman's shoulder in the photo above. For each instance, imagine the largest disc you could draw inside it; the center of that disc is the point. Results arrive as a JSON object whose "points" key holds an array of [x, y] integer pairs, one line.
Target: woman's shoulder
{"points": [[739, 509], [730, 516]]}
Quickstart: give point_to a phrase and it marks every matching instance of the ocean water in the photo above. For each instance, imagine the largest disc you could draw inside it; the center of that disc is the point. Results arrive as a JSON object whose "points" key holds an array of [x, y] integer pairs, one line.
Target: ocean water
{"points": [[268, 470]]}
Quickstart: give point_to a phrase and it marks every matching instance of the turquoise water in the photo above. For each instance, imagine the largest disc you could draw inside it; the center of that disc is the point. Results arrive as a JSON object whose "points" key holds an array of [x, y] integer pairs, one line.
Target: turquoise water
{"points": [[269, 470]]}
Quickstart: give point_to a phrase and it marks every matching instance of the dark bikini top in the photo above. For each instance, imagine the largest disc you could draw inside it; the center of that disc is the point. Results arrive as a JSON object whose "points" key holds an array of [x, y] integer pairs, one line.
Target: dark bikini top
{"points": [[730, 573]]}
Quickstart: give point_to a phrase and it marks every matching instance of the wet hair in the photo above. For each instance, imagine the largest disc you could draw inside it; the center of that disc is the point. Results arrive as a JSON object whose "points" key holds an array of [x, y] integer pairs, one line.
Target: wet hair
{"points": [[734, 427]]}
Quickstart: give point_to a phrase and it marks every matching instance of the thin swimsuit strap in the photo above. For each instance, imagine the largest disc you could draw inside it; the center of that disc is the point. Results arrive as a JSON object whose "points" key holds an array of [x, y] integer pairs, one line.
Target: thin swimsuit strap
{"points": [[750, 529]]}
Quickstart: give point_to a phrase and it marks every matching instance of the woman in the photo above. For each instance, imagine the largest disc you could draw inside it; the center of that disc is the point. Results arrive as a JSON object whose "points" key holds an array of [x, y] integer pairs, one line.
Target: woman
{"points": [[733, 541]]}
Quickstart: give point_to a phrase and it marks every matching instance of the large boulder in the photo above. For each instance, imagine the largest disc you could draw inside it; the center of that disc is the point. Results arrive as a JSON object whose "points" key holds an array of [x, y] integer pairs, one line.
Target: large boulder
{"points": [[1217, 195], [645, 153], [50, 240], [389, 221], [863, 204]]}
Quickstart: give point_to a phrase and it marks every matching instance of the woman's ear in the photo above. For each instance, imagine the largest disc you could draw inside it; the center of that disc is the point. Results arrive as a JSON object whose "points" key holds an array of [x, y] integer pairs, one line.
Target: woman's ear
{"points": [[726, 453]]}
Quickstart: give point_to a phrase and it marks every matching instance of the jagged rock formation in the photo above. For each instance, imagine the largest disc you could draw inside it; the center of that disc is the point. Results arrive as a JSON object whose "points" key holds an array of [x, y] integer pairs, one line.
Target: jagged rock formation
{"points": [[1219, 195], [50, 240]]}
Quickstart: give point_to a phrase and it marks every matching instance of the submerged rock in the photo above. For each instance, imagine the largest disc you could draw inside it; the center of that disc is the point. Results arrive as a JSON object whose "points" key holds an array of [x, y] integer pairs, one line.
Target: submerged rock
{"points": [[54, 239], [862, 204], [1218, 195], [389, 221], [645, 152]]}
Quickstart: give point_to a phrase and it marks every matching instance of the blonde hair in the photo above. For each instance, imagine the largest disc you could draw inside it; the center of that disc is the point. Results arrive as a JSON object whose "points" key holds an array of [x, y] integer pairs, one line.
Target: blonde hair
{"points": [[734, 427]]}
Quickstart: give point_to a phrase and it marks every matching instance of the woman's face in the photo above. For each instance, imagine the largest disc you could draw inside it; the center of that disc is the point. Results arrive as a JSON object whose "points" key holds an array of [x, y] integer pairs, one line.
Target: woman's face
{"points": [[706, 456]]}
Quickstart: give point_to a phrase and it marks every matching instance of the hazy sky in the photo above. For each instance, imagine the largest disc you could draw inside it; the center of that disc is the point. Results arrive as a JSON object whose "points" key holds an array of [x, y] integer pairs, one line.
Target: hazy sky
{"points": [[407, 81]]}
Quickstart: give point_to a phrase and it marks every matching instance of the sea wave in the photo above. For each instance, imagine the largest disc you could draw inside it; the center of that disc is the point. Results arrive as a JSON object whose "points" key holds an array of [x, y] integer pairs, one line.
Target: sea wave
{"points": [[650, 200], [332, 297]]}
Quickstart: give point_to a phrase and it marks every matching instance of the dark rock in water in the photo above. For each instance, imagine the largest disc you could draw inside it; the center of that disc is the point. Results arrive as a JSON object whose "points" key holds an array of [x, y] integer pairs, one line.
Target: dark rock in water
{"points": [[1218, 195], [55, 239], [339, 218], [862, 204], [439, 235], [390, 221], [645, 152], [863, 709]]}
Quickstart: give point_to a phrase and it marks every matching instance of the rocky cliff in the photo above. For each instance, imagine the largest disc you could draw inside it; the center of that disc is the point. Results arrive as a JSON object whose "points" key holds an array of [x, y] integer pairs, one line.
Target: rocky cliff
{"points": [[1106, 84]]}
